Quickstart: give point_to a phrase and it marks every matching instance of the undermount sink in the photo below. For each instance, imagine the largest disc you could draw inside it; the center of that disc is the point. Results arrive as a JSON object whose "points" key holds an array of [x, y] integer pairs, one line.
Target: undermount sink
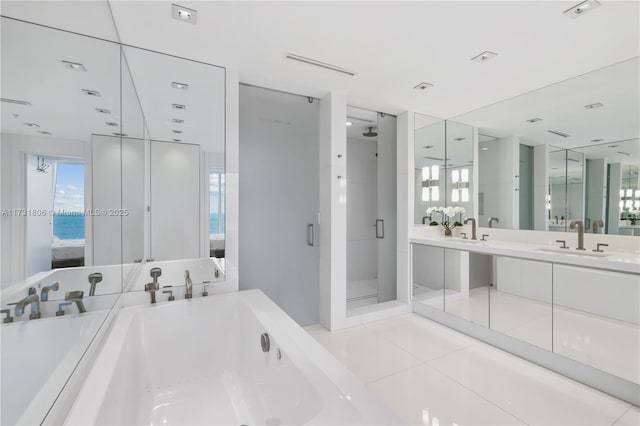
{"points": [[575, 252]]}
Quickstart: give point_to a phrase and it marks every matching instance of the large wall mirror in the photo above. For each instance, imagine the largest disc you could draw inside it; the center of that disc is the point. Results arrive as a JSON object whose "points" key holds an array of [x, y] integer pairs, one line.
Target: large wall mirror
{"points": [[444, 168], [560, 153], [112, 163]]}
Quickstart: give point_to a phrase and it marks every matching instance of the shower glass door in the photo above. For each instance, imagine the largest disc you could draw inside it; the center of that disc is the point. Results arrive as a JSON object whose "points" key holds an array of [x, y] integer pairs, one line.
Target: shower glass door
{"points": [[371, 208]]}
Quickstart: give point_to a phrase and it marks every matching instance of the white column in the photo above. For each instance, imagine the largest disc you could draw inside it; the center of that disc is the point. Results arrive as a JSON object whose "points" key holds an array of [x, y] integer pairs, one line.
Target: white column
{"points": [[333, 211], [540, 187], [232, 159], [405, 190]]}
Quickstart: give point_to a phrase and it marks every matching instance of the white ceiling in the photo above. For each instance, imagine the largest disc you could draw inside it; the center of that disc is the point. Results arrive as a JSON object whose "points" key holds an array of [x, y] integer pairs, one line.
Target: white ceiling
{"points": [[392, 46]]}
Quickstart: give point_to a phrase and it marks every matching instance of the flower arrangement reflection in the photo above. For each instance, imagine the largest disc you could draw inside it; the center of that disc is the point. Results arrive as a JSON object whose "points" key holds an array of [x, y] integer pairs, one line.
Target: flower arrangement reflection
{"points": [[448, 215]]}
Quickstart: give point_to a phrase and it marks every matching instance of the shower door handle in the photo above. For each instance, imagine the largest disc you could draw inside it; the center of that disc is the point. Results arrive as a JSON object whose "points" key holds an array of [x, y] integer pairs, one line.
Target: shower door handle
{"points": [[379, 228], [311, 237]]}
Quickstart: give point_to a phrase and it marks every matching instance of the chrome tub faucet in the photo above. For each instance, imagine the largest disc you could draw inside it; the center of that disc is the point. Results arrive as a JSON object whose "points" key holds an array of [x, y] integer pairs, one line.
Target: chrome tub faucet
{"points": [[44, 293], [154, 286], [188, 293], [597, 226], [32, 299], [76, 296], [493, 219]]}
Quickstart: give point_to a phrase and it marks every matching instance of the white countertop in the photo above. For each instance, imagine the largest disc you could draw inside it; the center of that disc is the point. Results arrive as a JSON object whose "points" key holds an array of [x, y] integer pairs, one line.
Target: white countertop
{"points": [[614, 261]]}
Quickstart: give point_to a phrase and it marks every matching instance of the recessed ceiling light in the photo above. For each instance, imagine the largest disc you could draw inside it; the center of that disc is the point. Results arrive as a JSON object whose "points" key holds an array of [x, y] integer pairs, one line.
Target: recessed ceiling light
{"points": [[178, 106], [15, 101], [184, 14], [349, 123], [554, 168], [177, 132], [182, 86], [15, 115], [460, 139], [613, 146], [597, 140], [91, 92], [555, 132], [44, 132], [74, 66], [592, 106], [581, 8], [31, 124], [534, 120], [428, 146], [178, 120], [177, 140], [120, 134], [484, 56], [320, 64], [423, 86], [103, 111], [109, 123], [485, 148]]}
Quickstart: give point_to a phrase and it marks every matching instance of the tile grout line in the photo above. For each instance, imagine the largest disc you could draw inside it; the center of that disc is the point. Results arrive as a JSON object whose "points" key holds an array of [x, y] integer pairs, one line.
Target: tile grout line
{"points": [[622, 415], [393, 374]]}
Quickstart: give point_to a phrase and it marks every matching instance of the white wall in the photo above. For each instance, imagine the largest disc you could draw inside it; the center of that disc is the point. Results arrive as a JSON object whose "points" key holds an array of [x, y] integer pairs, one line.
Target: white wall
{"points": [[39, 228], [540, 187], [497, 170]]}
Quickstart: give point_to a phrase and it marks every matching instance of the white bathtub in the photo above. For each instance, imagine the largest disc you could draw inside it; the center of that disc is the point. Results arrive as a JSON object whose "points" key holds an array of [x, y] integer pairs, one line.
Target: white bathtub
{"points": [[200, 361], [37, 358]]}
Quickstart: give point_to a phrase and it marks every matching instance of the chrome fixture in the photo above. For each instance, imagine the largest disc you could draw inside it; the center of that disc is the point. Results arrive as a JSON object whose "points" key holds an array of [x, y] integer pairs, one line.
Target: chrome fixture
{"points": [[484, 56], [423, 86], [580, 228], [464, 235], [598, 249], [581, 8], [370, 133], [8, 317], [493, 219], [41, 166], [152, 287], [44, 293], [216, 274], [94, 279], [597, 226], [32, 299], [564, 244], [15, 101], [592, 106], [473, 227], [76, 297], [425, 218], [91, 92], [171, 297], [484, 237], [60, 311], [533, 120], [75, 66], [265, 342], [184, 14], [320, 64], [205, 289], [178, 106], [188, 293], [555, 132], [103, 111], [181, 86]]}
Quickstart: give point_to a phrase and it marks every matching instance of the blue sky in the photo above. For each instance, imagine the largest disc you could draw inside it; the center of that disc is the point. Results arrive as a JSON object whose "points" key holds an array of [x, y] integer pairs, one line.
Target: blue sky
{"points": [[69, 187]]}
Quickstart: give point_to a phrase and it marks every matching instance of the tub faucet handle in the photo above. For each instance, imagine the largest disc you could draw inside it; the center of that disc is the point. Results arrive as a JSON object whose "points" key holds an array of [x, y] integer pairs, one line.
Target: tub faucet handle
{"points": [[44, 293], [464, 235], [205, 291], [76, 296], [598, 249], [169, 292], [484, 237], [8, 317], [151, 288], [564, 244]]}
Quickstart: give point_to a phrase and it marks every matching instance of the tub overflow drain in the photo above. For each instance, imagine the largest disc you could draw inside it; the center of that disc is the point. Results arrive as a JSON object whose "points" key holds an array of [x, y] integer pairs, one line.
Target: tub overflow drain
{"points": [[264, 342]]}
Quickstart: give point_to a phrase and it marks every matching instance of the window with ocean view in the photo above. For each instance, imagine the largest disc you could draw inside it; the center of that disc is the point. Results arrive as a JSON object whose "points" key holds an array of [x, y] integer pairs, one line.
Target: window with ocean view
{"points": [[216, 202], [68, 201]]}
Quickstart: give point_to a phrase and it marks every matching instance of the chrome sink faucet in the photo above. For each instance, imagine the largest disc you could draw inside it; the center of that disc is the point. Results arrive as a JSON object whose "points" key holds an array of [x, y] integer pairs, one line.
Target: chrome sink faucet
{"points": [[597, 226], [188, 293], [44, 293], [32, 299], [577, 224], [493, 219], [473, 227]]}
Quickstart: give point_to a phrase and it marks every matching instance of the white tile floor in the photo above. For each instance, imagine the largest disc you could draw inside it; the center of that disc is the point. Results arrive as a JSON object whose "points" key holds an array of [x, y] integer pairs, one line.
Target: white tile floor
{"points": [[431, 375]]}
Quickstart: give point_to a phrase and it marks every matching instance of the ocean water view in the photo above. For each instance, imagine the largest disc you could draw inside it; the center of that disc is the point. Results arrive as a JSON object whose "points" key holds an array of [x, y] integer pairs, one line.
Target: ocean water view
{"points": [[71, 227]]}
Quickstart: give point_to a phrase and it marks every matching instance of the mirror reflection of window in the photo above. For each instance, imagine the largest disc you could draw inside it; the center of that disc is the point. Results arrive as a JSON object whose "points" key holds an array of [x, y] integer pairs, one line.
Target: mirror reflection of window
{"points": [[216, 211]]}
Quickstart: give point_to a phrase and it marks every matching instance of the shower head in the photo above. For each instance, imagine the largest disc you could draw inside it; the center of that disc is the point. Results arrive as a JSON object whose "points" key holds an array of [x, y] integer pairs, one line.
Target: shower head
{"points": [[370, 133]]}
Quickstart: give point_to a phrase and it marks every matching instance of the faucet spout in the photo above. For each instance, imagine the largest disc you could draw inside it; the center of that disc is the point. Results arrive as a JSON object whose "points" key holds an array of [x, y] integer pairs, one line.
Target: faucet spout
{"points": [[188, 294], [32, 299], [493, 219], [577, 224], [44, 293], [473, 227], [597, 226]]}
